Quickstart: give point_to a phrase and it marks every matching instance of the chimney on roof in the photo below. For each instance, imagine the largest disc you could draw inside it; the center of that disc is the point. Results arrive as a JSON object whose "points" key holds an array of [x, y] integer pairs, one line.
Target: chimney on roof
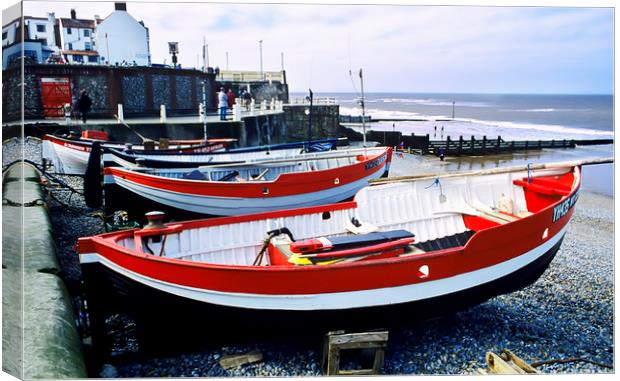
{"points": [[73, 14], [120, 7]]}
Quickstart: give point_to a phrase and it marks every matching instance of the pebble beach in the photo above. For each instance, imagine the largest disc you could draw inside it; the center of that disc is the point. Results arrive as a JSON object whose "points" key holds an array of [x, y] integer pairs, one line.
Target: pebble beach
{"points": [[567, 314]]}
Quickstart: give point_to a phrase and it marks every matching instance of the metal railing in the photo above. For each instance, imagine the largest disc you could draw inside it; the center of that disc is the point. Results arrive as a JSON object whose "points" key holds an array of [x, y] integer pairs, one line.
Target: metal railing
{"points": [[315, 101], [243, 76]]}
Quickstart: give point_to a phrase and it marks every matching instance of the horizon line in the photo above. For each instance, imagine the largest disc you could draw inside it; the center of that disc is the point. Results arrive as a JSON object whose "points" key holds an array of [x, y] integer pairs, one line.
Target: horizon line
{"points": [[443, 92]]}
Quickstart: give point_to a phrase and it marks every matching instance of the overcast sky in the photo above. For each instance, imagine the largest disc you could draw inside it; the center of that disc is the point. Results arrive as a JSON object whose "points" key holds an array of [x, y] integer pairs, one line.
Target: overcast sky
{"points": [[402, 48]]}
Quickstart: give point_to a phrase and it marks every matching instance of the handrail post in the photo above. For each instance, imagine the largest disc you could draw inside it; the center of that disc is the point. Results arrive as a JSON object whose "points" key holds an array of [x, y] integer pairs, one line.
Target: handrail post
{"points": [[201, 112], [236, 112], [162, 113], [120, 115]]}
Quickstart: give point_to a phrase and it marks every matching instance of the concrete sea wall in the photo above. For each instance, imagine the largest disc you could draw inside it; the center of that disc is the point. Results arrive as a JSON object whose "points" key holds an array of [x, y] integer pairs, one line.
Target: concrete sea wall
{"points": [[36, 307], [141, 90]]}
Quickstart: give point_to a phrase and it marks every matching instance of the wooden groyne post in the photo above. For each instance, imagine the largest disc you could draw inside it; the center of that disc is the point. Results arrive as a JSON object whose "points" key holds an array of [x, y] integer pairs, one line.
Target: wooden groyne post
{"points": [[486, 146]]}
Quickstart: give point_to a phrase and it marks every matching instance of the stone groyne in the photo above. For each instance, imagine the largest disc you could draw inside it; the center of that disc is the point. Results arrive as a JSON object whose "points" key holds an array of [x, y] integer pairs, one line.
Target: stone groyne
{"points": [[39, 337]]}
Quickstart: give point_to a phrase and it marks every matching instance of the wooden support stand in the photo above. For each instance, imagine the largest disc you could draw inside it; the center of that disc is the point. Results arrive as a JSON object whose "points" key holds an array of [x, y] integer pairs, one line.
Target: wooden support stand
{"points": [[337, 341]]}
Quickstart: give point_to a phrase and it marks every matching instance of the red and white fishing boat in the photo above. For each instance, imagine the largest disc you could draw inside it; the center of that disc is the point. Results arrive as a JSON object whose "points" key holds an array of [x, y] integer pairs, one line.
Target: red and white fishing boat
{"points": [[69, 155], [249, 187], [427, 242]]}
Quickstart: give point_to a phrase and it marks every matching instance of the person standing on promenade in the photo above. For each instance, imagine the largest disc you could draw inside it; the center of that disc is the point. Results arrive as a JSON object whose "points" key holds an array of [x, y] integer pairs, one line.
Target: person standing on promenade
{"points": [[247, 98], [222, 103], [83, 105], [231, 98], [242, 97]]}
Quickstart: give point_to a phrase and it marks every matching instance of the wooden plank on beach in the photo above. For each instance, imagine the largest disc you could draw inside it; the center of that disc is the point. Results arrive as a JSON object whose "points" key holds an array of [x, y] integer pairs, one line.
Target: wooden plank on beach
{"points": [[506, 363], [232, 361]]}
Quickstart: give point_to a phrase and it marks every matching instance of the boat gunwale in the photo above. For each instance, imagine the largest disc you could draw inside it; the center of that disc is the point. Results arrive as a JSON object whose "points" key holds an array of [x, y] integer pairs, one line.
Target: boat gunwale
{"points": [[282, 177], [107, 241], [87, 144]]}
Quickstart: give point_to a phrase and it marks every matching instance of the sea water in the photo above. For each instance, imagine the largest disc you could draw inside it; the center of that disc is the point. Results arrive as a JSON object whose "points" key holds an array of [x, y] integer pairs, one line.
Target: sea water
{"points": [[511, 116]]}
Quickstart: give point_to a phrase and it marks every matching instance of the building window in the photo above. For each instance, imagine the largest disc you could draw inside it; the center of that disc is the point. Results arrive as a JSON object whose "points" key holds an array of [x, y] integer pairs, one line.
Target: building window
{"points": [[93, 59], [77, 58], [69, 46], [68, 30], [86, 32], [40, 28], [87, 46], [4, 35]]}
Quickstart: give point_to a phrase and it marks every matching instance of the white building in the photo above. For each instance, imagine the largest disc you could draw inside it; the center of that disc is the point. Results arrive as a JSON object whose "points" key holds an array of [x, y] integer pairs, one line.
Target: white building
{"points": [[121, 39], [77, 39], [118, 39], [39, 35]]}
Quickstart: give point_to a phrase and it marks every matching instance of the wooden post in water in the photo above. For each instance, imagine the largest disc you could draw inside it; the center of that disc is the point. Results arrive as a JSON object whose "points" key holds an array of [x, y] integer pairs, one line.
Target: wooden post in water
{"points": [[447, 144], [471, 147], [460, 145], [484, 144], [539, 144], [552, 143], [499, 141]]}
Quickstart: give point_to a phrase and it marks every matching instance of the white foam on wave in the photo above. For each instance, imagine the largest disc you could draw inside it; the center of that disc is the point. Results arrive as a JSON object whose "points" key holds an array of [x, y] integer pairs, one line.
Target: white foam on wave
{"points": [[483, 127], [551, 128], [379, 114], [539, 110], [421, 101]]}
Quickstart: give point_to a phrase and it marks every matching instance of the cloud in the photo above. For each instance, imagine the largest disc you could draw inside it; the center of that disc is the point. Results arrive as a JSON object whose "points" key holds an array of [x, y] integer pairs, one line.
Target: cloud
{"points": [[401, 48]]}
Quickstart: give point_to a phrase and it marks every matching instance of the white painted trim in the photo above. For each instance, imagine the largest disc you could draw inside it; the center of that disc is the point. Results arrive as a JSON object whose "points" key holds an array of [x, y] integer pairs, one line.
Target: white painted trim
{"points": [[341, 300]]}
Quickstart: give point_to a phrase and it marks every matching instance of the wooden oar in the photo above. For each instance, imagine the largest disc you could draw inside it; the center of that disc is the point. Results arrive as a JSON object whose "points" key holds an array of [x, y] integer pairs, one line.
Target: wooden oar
{"points": [[493, 171]]}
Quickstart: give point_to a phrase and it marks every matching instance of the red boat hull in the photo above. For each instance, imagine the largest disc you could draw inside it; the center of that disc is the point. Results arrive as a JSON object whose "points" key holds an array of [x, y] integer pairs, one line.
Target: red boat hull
{"points": [[451, 271]]}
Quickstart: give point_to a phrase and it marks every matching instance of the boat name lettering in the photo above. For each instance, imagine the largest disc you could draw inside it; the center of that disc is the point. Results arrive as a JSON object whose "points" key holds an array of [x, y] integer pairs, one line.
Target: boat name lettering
{"points": [[209, 148], [560, 210], [375, 162], [75, 146]]}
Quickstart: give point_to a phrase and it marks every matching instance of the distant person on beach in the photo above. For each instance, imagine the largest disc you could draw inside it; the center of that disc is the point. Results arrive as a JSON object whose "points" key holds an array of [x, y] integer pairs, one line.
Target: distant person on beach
{"points": [[222, 103], [442, 153], [231, 98], [83, 105]]}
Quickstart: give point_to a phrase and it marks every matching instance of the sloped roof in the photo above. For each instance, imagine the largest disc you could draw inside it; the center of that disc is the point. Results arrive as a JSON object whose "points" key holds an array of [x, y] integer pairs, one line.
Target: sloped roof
{"points": [[77, 23]]}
